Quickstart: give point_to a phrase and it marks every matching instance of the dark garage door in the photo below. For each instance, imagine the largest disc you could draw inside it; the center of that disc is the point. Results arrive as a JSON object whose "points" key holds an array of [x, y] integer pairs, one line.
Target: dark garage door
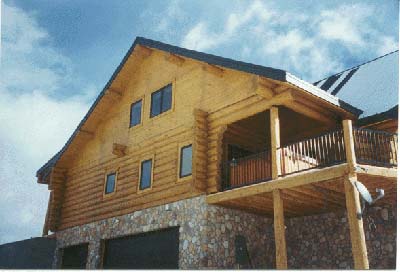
{"points": [[74, 257], [150, 250]]}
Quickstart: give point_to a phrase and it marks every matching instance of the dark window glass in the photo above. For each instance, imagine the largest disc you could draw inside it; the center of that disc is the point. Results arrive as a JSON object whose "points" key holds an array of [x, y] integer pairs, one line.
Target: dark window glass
{"points": [[167, 98], [156, 103], [161, 100], [145, 174], [186, 161], [110, 183], [136, 113]]}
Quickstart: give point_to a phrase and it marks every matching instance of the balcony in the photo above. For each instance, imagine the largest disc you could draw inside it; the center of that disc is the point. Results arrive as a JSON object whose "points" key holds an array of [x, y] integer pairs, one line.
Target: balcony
{"points": [[374, 148], [281, 164]]}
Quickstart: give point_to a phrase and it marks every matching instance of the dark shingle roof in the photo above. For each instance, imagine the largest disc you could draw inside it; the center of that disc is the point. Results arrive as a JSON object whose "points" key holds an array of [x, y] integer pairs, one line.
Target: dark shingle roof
{"points": [[379, 117], [268, 72], [371, 86]]}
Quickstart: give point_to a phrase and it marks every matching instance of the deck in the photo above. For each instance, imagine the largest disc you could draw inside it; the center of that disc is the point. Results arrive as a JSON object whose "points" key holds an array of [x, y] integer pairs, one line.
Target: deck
{"points": [[311, 175]]}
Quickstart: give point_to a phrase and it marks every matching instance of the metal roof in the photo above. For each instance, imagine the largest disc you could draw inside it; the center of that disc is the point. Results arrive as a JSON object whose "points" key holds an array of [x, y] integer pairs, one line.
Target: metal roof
{"points": [[372, 86], [268, 72]]}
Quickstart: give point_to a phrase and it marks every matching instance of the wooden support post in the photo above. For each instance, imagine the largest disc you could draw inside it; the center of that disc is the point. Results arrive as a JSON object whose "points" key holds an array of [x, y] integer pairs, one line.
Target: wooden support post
{"points": [[46, 221], [279, 231], [349, 145], [357, 236], [275, 143]]}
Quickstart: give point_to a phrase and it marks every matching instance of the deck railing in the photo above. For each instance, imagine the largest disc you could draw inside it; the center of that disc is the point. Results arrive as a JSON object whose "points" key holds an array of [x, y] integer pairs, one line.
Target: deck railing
{"points": [[320, 151], [377, 148], [247, 170], [373, 147]]}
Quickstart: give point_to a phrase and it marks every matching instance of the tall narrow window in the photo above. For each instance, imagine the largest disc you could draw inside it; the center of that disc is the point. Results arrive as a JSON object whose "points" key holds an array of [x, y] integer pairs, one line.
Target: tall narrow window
{"points": [[110, 183], [185, 168], [161, 100], [145, 174], [136, 113]]}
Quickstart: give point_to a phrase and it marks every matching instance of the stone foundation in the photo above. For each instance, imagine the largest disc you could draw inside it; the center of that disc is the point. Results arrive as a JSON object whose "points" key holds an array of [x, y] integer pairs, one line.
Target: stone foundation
{"points": [[323, 241], [207, 234]]}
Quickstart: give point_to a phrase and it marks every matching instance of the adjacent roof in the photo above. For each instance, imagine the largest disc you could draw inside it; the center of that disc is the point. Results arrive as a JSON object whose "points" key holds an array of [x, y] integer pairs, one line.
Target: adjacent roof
{"points": [[372, 86], [379, 117], [268, 72]]}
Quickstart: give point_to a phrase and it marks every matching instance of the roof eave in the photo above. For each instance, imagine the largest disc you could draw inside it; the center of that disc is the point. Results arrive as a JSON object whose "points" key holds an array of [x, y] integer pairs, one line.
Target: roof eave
{"points": [[310, 88]]}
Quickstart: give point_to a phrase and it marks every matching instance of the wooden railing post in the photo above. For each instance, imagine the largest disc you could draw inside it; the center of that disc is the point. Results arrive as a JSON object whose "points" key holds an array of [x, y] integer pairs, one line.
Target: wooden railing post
{"points": [[275, 143], [279, 231], [357, 235]]}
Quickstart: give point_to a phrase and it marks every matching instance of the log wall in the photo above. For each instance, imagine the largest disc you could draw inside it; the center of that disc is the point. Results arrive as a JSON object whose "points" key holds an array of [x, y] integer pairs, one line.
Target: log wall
{"points": [[200, 111]]}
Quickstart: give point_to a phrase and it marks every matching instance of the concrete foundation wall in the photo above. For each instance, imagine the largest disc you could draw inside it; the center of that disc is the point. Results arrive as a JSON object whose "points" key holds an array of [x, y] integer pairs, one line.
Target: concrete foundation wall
{"points": [[207, 236]]}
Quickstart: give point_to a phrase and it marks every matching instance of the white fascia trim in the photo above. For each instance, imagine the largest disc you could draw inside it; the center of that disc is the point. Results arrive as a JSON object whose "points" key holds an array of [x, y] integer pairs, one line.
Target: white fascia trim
{"points": [[312, 89]]}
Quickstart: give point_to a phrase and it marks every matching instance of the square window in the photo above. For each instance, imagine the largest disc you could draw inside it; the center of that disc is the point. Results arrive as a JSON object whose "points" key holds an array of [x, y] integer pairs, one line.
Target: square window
{"points": [[110, 183], [161, 100], [136, 113], [145, 174], [185, 168]]}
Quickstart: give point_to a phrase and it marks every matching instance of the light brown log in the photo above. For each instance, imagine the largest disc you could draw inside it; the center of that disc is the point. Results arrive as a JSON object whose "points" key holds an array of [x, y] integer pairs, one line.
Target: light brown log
{"points": [[279, 231], [275, 143], [357, 236], [349, 145]]}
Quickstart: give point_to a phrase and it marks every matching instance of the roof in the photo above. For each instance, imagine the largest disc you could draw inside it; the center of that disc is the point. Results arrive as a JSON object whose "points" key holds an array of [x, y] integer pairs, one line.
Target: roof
{"points": [[371, 86], [263, 71], [379, 117]]}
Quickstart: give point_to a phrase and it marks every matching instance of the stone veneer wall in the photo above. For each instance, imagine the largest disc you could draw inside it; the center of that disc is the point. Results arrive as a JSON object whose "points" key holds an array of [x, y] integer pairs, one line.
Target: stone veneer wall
{"points": [[207, 235], [323, 241]]}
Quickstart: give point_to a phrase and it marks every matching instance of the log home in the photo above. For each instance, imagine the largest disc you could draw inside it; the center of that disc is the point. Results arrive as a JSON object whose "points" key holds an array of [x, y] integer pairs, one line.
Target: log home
{"points": [[190, 160]]}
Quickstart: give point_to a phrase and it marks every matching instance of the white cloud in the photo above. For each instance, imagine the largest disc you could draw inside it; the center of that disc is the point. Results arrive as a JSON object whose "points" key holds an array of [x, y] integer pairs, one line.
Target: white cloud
{"points": [[34, 124], [387, 44], [173, 12], [307, 43], [200, 37], [349, 24]]}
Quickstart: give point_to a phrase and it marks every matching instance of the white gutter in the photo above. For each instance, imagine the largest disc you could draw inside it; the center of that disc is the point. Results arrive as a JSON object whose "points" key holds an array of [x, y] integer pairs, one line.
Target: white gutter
{"points": [[308, 87]]}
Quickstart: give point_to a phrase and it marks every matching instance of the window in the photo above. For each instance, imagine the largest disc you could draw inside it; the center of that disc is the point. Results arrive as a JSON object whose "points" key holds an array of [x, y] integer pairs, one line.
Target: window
{"points": [[136, 113], [110, 183], [161, 100], [185, 168], [146, 174]]}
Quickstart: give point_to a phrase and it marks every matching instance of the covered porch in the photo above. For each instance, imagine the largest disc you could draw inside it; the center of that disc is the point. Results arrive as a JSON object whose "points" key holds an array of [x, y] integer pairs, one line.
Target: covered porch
{"points": [[291, 166]]}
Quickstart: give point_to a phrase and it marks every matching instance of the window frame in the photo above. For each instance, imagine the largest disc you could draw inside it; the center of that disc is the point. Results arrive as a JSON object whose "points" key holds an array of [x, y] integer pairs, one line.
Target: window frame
{"points": [[147, 158], [141, 99], [179, 166], [161, 100], [107, 173]]}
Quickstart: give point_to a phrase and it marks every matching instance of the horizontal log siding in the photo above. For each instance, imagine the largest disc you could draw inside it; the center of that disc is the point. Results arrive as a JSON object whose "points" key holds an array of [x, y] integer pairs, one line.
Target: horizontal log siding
{"points": [[83, 198], [199, 98]]}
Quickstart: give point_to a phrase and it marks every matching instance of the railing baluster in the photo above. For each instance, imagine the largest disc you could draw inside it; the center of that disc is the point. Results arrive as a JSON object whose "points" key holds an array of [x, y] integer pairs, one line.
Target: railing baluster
{"points": [[375, 147]]}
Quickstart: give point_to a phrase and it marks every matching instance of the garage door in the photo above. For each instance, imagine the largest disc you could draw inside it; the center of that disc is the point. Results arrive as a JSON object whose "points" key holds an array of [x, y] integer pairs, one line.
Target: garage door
{"points": [[150, 250], [74, 257]]}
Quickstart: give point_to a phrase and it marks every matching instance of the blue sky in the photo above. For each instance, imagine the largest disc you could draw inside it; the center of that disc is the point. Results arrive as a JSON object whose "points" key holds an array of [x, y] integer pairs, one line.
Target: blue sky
{"points": [[57, 55]]}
